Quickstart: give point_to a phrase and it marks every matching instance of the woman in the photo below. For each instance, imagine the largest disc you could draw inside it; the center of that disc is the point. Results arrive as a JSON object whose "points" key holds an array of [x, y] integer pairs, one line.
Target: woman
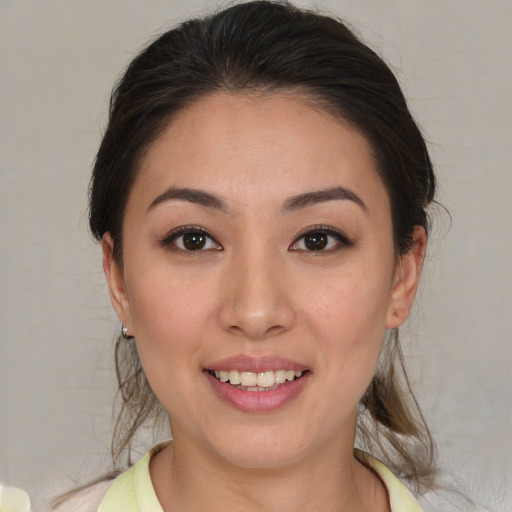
{"points": [[260, 195]]}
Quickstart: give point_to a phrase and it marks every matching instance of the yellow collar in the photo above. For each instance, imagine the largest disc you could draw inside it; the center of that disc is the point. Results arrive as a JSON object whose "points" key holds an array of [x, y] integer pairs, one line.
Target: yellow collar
{"points": [[133, 490]]}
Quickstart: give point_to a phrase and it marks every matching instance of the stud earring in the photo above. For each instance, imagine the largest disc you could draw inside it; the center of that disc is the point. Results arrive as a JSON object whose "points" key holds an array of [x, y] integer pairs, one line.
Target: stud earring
{"points": [[125, 334]]}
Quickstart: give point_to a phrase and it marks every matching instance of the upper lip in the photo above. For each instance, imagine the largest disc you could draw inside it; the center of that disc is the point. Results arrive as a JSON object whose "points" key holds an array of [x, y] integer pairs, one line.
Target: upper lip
{"points": [[245, 363]]}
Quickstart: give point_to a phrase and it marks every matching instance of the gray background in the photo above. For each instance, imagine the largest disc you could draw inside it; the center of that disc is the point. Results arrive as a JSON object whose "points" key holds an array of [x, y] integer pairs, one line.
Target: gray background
{"points": [[58, 61]]}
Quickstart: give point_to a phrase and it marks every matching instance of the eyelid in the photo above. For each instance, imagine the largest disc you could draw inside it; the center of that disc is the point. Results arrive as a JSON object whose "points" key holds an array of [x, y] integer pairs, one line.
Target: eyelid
{"points": [[167, 240], [343, 239]]}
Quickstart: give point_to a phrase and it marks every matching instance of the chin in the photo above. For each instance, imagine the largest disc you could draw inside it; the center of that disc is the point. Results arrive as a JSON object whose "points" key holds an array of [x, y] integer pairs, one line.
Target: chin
{"points": [[262, 450]]}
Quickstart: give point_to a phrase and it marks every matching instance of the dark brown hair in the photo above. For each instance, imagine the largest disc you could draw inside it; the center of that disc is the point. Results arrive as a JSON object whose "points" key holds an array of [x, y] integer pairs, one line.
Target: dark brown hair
{"points": [[263, 47]]}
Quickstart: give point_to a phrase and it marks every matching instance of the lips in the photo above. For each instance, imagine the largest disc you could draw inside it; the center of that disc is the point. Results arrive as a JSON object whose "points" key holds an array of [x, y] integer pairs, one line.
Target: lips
{"points": [[244, 363], [260, 384]]}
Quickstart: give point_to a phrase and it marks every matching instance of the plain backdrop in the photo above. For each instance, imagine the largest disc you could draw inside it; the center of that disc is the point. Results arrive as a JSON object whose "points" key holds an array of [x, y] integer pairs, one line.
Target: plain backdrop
{"points": [[58, 62]]}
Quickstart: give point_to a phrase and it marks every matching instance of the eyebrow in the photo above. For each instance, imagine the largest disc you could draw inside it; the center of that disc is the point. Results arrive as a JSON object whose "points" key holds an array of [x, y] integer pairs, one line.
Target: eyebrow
{"points": [[192, 196], [292, 204], [320, 196]]}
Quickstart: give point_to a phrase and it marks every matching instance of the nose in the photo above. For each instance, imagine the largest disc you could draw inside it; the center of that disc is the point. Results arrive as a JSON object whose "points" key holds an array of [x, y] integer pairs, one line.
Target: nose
{"points": [[257, 299]]}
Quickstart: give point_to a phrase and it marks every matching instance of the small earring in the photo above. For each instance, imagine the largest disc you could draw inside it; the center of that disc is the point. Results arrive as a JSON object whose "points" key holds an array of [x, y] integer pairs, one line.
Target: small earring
{"points": [[125, 334]]}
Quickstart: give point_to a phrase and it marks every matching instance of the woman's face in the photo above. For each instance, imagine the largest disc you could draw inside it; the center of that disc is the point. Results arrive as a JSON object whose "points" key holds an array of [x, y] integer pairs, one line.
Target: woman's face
{"points": [[257, 244]]}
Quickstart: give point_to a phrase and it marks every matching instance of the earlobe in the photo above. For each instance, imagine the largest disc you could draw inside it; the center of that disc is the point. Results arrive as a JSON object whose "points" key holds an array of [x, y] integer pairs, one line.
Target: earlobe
{"points": [[406, 279], [115, 281]]}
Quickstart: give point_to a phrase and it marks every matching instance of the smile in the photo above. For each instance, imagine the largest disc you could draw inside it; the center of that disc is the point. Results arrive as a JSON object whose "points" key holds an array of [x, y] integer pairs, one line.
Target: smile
{"points": [[256, 381]]}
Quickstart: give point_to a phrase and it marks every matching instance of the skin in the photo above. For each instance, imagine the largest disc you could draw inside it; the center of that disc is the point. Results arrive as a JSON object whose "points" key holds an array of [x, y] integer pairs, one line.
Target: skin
{"points": [[257, 290]]}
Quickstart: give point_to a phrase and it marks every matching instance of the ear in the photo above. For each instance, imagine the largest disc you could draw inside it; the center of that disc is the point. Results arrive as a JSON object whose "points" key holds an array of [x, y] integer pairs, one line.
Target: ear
{"points": [[115, 281], [406, 279]]}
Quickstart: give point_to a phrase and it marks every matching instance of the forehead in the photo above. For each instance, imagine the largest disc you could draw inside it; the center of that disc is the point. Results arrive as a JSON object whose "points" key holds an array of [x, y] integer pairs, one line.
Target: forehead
{"points": [[278, 144]]}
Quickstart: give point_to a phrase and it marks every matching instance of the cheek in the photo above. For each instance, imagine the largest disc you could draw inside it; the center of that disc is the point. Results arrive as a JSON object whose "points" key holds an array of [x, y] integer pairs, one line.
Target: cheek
{"points": [[350, 303], [166, 299], [349, 316], [168, 317]]}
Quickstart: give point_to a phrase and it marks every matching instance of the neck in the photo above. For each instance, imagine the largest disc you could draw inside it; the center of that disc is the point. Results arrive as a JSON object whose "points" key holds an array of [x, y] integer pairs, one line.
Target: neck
{"points": [[329, 481]]}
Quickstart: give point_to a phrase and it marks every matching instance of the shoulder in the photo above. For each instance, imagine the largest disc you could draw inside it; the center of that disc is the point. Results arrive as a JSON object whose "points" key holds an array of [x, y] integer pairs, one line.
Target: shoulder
{"points": [[400, 497], [86, 500], [133, 491]]}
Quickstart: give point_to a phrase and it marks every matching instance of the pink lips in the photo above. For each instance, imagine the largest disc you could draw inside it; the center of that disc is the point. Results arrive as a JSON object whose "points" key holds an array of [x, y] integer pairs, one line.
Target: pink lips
{"points": [[244, 363], [257, 401]]}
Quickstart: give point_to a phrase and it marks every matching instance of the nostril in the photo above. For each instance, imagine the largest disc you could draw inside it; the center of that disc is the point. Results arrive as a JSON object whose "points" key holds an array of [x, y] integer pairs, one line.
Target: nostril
{"points": [[276, 329], [262, 333]]}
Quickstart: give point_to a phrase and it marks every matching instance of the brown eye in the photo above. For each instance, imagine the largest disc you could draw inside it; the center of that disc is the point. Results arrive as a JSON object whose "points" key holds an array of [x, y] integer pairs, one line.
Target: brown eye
{"points": [[316, 241], [194, 241], [189, 239], [320, 239]]}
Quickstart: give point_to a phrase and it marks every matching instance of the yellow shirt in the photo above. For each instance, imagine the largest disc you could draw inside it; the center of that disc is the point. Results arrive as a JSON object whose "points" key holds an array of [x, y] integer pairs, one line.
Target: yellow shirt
{"points": [[133, 490]]}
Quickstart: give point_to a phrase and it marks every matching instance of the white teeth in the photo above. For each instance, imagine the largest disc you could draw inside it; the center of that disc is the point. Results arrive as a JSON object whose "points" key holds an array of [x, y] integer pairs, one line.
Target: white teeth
{"points": [[280, 376], [248, 379], [234, 377], [257, 381], [266, 379]]}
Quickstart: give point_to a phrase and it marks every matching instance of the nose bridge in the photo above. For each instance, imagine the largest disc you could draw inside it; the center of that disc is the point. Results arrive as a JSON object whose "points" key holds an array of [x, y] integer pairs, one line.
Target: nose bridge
{"points": [[258, 300]]}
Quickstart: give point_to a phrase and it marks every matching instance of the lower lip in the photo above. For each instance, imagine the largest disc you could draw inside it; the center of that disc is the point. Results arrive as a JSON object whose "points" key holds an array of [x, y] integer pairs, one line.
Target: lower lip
{"points": [[258, 401]]}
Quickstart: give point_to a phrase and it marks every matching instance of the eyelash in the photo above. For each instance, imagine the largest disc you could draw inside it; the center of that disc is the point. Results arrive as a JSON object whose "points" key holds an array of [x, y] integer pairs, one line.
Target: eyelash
{"points": [[169, 241], [341, 239]]}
